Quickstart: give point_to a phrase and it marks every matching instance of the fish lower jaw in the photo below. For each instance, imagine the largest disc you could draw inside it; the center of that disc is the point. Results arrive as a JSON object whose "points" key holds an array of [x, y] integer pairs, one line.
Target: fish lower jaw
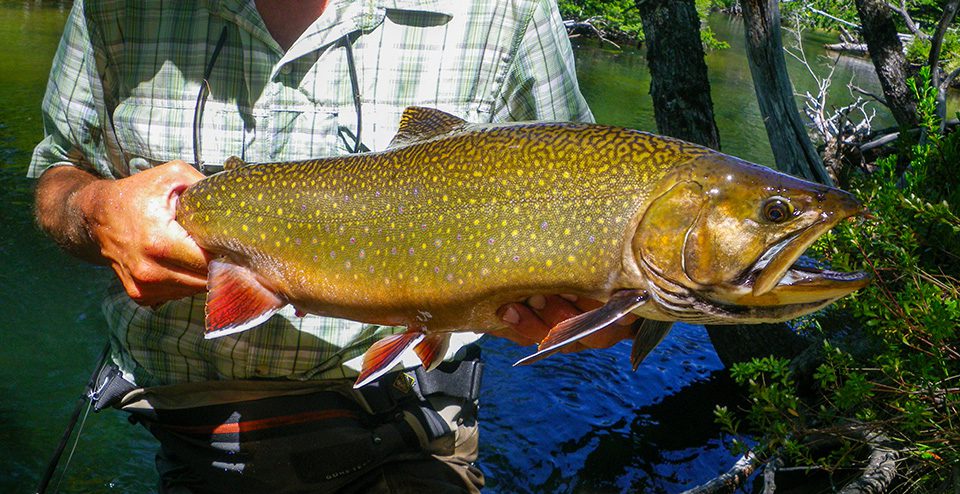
{"points": [[800, 285]]}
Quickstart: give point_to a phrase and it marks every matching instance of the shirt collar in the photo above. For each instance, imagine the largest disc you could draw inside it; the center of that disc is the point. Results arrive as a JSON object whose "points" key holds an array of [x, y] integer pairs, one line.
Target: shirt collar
{"points": [[341, 18], [344, 17]]}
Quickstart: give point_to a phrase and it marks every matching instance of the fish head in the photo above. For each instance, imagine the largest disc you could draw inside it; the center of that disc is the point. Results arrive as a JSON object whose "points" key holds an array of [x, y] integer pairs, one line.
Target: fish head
{"points": [[720, 239]]}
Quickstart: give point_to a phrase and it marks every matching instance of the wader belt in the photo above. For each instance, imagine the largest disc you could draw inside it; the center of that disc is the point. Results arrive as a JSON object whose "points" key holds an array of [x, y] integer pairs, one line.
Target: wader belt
{"points": [[456, 379]]}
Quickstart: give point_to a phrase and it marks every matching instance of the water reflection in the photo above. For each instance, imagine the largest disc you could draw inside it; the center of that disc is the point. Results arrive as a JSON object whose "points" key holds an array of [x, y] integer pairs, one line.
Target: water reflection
{"points": [[587, 423]]}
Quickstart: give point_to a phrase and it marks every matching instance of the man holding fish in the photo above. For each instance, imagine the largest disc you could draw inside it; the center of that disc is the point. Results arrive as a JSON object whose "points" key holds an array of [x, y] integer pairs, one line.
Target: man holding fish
{"points": [[274, 409]]}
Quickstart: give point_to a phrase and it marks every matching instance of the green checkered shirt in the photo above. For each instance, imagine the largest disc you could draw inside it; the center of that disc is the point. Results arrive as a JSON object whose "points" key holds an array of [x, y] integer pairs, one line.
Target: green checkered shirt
{"points": [[123, 90]]}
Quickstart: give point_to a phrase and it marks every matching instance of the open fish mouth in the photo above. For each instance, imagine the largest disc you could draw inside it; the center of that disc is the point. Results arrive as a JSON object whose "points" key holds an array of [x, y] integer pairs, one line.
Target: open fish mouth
{"points": [[777, 279]]}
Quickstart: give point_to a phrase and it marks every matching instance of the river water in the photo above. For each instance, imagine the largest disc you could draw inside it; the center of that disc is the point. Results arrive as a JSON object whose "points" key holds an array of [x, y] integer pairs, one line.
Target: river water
{"points": [[572, 423]]}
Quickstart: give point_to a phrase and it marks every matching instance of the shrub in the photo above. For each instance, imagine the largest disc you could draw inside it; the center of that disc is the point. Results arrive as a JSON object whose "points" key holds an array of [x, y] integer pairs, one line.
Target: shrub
{"points": [[890, 357]]}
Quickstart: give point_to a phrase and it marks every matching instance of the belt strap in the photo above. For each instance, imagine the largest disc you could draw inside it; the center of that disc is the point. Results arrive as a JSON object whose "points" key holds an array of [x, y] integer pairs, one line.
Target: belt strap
{"points": [[456, 379], [462, 382]]}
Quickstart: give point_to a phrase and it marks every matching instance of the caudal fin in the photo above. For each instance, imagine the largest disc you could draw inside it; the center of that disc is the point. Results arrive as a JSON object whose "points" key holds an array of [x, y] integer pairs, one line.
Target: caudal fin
{"points": [[236, 300]]}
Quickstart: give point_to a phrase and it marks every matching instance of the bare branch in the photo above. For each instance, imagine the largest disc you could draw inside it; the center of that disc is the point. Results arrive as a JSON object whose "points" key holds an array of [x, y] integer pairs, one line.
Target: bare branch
{"points": [[573, 26], [770, 474], [733, 478], [949, 12], [834, 18], [860, 90], [881, 467], [911, 25]]}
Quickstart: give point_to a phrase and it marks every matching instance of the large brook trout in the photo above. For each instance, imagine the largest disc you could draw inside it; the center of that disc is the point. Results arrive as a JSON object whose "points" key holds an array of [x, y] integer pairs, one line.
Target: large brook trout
{"points": [[455, 220]]}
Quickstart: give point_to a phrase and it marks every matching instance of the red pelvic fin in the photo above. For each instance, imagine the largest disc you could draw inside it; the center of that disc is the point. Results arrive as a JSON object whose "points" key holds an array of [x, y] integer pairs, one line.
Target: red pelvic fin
{"points": [[432, 349], [236, 300], [384, 354], [587, 323]]}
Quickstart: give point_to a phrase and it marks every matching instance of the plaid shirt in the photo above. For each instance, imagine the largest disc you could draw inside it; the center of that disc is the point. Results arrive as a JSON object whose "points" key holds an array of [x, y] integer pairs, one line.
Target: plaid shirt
{"points": [[123, 91]]}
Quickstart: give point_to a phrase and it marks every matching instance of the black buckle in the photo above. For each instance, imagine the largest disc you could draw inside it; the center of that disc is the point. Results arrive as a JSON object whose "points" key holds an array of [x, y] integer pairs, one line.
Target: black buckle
{"points": [[108, 388], [456, 379]]}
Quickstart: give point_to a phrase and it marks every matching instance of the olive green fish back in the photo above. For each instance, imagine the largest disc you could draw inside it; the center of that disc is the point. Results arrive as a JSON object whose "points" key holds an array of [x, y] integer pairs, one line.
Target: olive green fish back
{"points": [[523, 205]]}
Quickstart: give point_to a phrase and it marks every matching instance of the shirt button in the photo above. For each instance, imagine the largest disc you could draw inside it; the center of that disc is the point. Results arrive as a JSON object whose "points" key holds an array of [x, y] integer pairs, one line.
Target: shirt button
{"points": [[286, 69]]}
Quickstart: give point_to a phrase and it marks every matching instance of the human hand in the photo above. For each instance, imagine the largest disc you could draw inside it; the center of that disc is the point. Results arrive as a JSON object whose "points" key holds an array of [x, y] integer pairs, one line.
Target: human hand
{"points": [[529, 323], [133, 220]]}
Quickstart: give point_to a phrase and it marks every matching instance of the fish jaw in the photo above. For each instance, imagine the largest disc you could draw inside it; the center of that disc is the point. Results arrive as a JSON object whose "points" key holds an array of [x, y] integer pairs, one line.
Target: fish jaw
{"points": [[776, 279]]}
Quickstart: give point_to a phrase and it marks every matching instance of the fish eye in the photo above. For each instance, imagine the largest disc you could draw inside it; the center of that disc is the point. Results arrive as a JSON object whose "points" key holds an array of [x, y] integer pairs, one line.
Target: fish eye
{"points": [[777, 209]]}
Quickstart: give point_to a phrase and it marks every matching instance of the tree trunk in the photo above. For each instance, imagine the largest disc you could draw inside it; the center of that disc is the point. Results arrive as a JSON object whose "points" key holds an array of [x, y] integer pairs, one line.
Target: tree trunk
{"points": [[683, 108], [886, 51], [792, 149], [678, 75]]}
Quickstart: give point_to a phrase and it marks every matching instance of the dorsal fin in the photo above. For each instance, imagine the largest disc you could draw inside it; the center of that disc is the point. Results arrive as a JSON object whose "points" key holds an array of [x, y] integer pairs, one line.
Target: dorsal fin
{"points": [[420, 124], [233, 162]]}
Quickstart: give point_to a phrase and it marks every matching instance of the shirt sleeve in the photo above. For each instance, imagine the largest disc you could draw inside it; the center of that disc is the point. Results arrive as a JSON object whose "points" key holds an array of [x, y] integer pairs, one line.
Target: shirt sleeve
{"points": [[73, 134], [542, 81]]}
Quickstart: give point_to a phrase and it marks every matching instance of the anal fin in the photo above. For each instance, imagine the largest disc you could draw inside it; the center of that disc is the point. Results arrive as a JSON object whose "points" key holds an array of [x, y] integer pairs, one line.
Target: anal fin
{"points": [[585, 324], [236, 300], [649, 334], [432, 349], [384, 354]]}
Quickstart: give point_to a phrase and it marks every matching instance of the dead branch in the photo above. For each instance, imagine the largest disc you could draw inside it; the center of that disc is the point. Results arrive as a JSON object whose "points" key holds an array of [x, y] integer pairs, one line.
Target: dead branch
{"points": [[859, 90], [770, 475], [936, 42], [893, 136], [832, 17], [588, 25], [881, 467], [732, 479], [859, 49], [911, 25], [834, 126]]}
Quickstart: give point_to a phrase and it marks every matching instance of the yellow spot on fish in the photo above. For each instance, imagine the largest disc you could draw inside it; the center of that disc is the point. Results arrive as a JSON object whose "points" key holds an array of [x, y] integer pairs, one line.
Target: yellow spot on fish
{"points": [[244, 228]]}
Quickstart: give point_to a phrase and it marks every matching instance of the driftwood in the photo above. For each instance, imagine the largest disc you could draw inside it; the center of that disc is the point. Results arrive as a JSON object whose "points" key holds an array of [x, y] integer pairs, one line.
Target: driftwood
{"points": [[732, 479], [881, 468], [878, 474], [887, 138], [847, 48], [589, 26]]}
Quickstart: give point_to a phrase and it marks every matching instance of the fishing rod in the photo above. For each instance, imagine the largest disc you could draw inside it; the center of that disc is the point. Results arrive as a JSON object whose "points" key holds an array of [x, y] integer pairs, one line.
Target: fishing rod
{"points": [[83, 399]]}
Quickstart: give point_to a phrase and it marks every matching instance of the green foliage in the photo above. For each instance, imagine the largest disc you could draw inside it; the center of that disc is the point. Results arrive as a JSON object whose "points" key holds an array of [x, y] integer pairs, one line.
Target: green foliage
{"points": [[918, 51], [811, 13], [617, 15], [623, 18], [890, 360]]}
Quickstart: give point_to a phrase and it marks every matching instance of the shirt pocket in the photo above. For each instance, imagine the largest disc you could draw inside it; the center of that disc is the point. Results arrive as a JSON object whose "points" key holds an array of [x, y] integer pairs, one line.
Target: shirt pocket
{"points": [[153, 132]]}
